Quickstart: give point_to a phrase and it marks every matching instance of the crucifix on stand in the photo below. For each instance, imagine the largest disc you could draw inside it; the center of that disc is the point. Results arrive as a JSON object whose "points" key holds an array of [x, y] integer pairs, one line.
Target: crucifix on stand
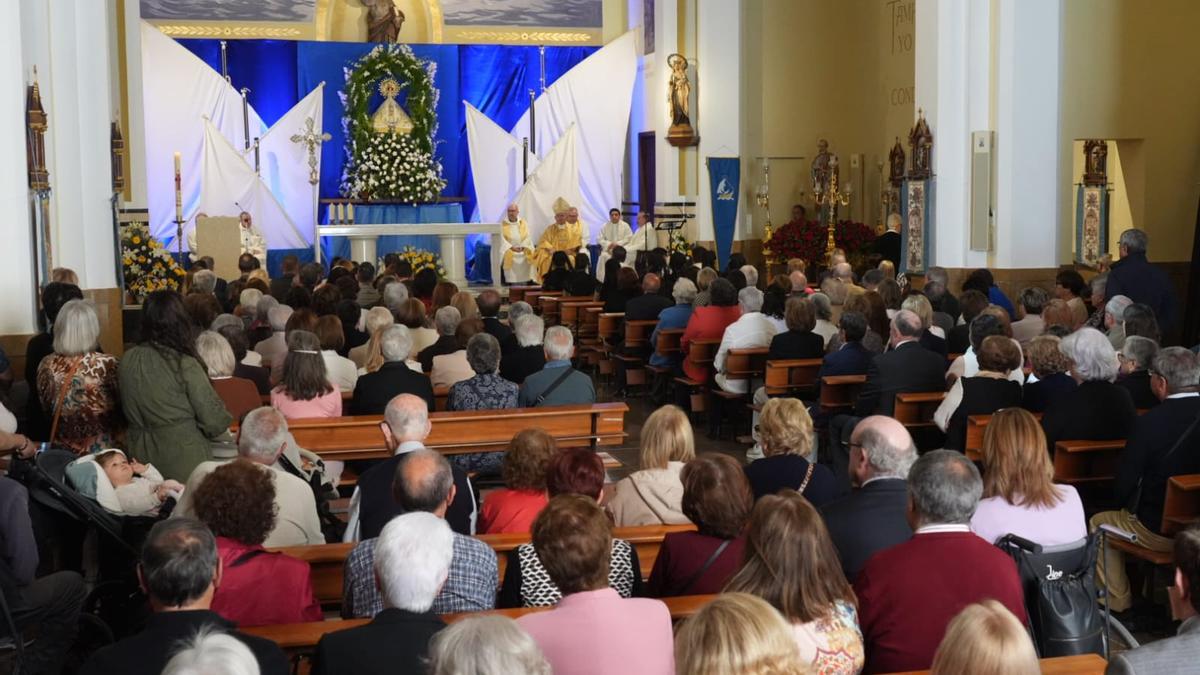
{"points": [[312, 139]]}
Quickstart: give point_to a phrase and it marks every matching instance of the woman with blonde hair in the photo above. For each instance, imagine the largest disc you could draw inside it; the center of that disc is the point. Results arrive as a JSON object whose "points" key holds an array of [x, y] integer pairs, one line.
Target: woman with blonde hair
{"points": [[785, 432], [704, 279], [377, 318], [736, 634], [888, 268], [465, 303], [791, 563], [1019, 493], [985, 639], [654, 494]]}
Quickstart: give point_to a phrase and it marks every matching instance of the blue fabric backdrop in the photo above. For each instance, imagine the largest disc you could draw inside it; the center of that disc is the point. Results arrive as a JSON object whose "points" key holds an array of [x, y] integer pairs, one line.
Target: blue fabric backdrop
{"points": [[495, 79]]}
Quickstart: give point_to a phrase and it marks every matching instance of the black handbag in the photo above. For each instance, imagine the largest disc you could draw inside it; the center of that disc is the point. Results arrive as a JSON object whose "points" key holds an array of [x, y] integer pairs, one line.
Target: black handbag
{"points": [[1060, 595]]}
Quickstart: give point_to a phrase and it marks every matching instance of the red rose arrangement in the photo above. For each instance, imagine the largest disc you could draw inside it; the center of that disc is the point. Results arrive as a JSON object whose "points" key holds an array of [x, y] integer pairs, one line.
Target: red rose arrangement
{"points": [[807, 240]]}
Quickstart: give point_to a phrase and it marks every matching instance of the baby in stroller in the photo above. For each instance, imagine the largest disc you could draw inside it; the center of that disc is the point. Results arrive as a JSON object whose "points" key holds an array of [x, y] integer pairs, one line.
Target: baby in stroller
{"points": [[139, 489]]}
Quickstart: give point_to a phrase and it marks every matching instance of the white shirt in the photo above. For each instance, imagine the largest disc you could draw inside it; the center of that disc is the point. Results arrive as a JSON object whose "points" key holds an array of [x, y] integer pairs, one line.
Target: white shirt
{"points": [[252, 359], [941, 417], [272, 349], [339, 370], [825, 329], [618, 233], [751, 330], [352, 523], [967, 365], [947, 527]]}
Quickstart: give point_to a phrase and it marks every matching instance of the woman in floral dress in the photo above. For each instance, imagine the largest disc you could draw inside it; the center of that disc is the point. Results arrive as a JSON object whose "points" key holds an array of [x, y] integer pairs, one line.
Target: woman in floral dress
{"points": [[77, 384]]}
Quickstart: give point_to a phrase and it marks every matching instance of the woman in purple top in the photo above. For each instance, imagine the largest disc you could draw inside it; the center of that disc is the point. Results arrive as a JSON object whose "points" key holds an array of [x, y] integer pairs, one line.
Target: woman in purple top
{"points": [[1019, 493], [717, 498]]}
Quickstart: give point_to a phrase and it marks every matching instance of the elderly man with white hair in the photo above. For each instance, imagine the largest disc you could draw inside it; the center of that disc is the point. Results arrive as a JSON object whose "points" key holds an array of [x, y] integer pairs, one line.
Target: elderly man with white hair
{"points": [[1161, 444], [263, 439], [204, 281], [528, 356], [752, 330], [845, 274], [751, 274], [274, 349], [557, 383], [1097, 409], [412, 563], [516, 310], [1114, 319], [445, 321], [405, 427], [375, 390]]}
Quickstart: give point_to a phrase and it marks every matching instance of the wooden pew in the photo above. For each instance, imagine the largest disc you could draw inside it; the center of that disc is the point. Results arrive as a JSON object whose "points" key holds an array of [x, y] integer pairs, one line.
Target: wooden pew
{"points": [[517, 293], [637, 336], [1077, 462], [572, 313], [1082, 664], [328, 560], [743, 365], [552, 306], [300, 639], [915, 409], [1182, 505], [790, 376], [700, 353], [462, 432], [441, 392], [534, 297], [839, 392]]}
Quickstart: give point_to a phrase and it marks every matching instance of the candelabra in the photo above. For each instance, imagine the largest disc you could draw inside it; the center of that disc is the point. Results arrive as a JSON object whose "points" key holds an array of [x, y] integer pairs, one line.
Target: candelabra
{"points": [[763, 198], [831, 196]]}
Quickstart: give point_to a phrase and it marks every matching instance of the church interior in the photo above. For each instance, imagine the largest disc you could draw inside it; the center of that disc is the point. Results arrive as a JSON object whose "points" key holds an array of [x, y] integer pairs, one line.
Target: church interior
{"points": [[894, 289]]}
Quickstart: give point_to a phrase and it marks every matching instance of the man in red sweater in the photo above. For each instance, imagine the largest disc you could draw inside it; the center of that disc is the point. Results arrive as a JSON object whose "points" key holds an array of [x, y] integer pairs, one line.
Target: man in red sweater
{"points": [[908, 594]]}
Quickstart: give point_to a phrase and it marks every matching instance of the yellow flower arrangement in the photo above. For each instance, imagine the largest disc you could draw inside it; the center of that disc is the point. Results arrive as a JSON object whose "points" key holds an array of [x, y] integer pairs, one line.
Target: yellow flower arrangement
{"points": [[146, 265], [420, 260]]}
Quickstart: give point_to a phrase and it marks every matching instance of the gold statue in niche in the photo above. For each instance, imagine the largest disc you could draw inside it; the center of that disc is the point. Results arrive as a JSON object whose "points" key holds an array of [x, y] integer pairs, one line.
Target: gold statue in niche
{"points": [[389, 117]]}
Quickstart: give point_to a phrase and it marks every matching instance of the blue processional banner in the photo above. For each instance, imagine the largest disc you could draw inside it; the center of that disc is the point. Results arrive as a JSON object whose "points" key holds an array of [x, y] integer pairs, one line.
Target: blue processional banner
{"points": [[724, 176]]}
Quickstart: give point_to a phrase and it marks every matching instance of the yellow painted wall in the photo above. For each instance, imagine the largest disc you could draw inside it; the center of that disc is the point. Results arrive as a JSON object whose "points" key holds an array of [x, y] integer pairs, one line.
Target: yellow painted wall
{"points": [[815, 69], [1129, 72]]}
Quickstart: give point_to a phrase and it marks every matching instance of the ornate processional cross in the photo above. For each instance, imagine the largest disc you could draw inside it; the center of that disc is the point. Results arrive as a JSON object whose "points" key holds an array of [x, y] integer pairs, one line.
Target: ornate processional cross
{"points": [[311, 140]]}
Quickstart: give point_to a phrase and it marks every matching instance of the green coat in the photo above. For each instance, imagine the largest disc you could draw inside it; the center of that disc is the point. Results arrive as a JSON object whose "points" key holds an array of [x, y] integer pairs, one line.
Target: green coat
{"points": [[172, 409]]}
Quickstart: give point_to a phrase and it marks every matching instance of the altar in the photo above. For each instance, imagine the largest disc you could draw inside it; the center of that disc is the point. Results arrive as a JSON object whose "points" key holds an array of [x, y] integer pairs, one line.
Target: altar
{"points": [[451, 237]]}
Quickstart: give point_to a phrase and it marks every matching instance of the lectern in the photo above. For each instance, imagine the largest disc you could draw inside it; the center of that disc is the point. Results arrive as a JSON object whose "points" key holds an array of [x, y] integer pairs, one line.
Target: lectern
{"points": [[219, 237]]}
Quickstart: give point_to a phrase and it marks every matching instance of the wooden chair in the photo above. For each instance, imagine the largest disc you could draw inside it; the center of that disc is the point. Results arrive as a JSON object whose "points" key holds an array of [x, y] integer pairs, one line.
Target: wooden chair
{"points": [[441, 392], [700, 353], [608, 327], [1079, 462], [839, 392], [1182, 505], [915, 409], [518, 293], [667, 345], [637, 337], [788, 377], [534, 298], [571, 312], [468, 431]]}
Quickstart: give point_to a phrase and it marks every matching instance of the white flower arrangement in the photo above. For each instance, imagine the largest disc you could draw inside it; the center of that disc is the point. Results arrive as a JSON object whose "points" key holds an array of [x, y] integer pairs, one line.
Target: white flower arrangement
{"points": [[392, 166]]}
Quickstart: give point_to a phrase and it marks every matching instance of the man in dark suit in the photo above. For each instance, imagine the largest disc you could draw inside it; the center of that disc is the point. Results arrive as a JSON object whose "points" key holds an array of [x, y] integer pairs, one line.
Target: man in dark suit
{"points": [[1134, 277], [851, 358], [515, 311], [281, 284], [934, 343], [529, 356], [909, 593], [180, 572], [412, 559], [489, 310], [1174, 654], [405, 428], [937, 289], [1162, 444], [650, 303], [873, 516], [374, 390], [446, 322], [906, 367], [887, 245]]}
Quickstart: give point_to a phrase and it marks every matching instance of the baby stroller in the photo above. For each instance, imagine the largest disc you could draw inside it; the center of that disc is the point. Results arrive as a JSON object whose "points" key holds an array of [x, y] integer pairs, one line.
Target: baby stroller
{"points": [[116, 599]]}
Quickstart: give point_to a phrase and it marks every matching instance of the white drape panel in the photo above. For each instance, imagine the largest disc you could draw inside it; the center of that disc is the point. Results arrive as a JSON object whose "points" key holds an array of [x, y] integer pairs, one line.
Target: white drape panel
{"points": [[230, 186], [595, 96], [284, 168], [496, 164], [556, 176], [181, 90]]}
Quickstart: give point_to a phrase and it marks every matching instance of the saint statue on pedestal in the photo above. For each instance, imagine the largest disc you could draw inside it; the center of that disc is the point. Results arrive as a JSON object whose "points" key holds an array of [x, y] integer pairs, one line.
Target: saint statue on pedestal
{"points": [[896, 162], [383, 20], [824, 165], [921, 142]]}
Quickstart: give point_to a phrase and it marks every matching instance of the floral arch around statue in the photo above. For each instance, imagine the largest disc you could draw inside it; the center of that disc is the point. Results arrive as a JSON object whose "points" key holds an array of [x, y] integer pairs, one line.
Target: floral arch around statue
{"points": [[394, 162]]}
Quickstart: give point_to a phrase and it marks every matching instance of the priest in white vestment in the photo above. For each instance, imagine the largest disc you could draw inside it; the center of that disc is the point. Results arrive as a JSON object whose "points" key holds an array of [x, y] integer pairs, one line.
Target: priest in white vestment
{"points": [[252, 240], [515, 249], [616, 232]]}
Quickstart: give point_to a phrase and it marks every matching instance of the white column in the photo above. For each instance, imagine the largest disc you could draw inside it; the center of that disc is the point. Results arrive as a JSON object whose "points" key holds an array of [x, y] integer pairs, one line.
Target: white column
{"points": [[1028, 191], [719, 122], [17, 303], [666, 42], [978, 70], [135, 133]]}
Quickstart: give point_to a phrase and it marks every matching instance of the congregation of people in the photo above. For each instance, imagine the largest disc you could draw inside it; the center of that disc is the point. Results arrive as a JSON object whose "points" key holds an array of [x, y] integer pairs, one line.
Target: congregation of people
{"points": [[847, 542]]}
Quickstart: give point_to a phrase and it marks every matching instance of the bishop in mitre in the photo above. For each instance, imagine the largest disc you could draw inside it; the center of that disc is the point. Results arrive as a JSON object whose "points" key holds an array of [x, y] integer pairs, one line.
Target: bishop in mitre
{"points": [[560, 235], [616, 232], [517, 249]]}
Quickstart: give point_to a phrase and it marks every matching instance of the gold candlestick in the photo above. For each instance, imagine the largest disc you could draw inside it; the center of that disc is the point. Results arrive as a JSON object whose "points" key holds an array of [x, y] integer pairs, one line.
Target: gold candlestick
{"points": [[832, 197]]}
